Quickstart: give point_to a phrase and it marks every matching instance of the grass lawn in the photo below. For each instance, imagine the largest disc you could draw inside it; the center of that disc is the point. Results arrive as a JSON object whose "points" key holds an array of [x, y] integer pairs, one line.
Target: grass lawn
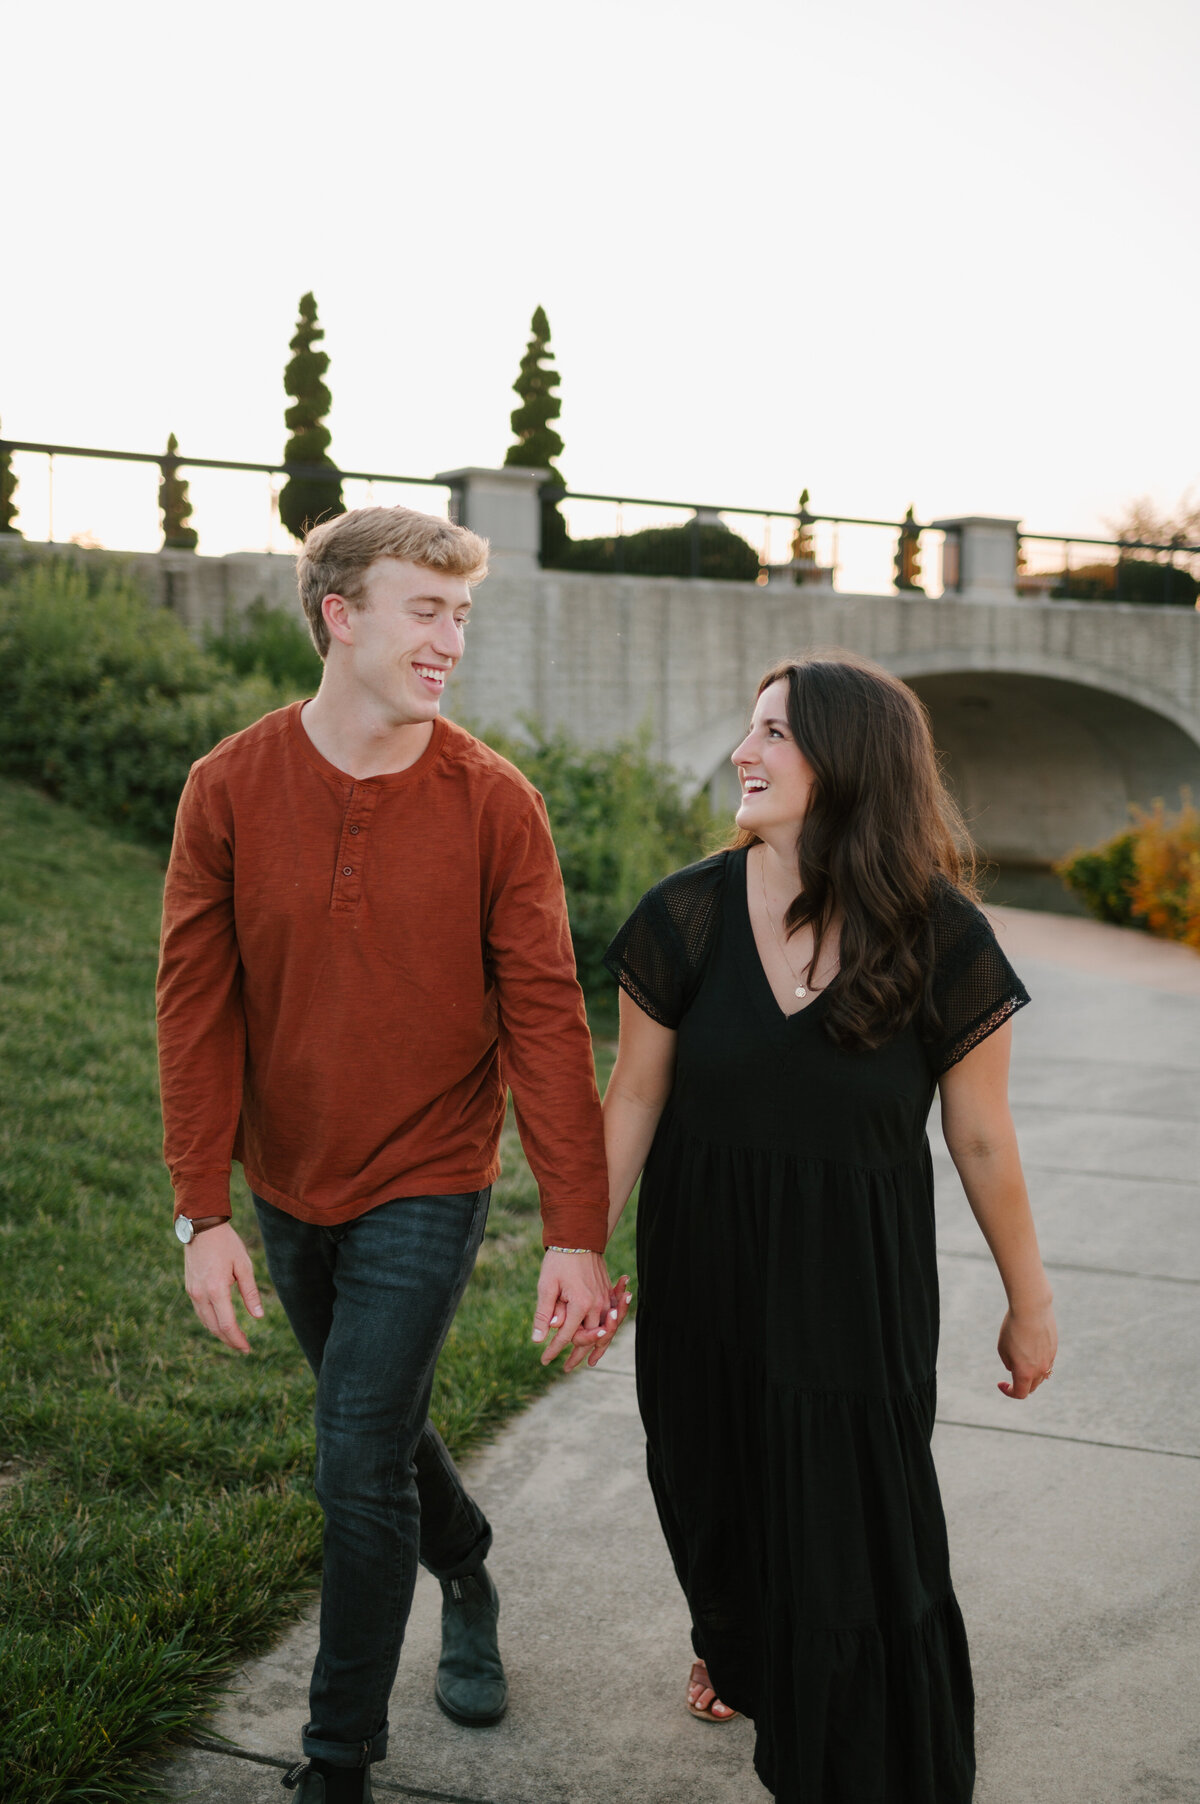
{"points": [[156, 1516]]}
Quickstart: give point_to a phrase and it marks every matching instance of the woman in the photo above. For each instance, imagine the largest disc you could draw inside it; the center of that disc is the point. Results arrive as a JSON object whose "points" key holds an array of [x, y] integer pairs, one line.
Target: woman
{"points": [[788, 1008]]}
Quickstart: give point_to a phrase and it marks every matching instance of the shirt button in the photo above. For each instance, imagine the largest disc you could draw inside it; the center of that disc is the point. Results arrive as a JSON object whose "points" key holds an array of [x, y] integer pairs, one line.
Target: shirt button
{"points": [[354, 829], [347, 870]]}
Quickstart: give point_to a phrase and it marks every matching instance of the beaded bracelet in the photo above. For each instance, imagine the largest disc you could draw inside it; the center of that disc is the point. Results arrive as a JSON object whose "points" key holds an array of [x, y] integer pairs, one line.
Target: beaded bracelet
{"points": [[568, 1249]]}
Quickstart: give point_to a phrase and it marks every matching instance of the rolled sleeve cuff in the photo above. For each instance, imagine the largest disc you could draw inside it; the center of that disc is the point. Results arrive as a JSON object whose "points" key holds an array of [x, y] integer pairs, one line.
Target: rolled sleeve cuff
{"points": [[575, 1225]]}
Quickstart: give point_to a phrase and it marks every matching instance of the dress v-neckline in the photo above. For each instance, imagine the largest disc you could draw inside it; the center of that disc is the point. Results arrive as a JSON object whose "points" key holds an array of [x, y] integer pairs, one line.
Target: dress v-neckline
{"points": [[751, 959]]}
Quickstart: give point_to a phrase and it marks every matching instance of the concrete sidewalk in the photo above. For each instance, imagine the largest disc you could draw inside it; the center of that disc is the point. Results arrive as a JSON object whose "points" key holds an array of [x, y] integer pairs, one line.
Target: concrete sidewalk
{"points": [[1073, 1518]]}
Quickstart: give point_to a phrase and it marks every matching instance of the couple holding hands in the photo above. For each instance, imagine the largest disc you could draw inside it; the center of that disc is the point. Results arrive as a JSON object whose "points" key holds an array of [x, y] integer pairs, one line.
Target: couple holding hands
{"points": [[365, 944]]}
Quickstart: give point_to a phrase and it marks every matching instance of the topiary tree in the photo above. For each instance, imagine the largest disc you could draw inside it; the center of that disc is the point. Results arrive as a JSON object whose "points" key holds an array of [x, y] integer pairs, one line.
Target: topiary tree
{"points": [[175, 505], [537, 443], [8, 488], [304, 500], [907, 561], [803, 551]]}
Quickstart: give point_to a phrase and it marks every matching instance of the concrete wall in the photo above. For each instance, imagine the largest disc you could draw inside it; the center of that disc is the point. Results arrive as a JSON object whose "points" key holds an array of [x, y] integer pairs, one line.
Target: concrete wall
{"points": [[205, 592]]}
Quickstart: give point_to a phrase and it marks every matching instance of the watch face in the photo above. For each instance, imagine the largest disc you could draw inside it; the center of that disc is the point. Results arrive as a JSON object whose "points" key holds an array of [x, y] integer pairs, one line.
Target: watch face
{"points": [[184, 1231]]}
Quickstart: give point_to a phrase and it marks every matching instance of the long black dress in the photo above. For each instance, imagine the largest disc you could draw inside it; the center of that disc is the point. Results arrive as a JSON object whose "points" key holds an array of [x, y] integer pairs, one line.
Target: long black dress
{"points": [[787, 1345]]}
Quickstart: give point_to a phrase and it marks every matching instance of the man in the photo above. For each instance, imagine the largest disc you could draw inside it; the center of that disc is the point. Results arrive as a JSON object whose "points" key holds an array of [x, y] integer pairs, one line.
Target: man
{"points": [[364, 941]]}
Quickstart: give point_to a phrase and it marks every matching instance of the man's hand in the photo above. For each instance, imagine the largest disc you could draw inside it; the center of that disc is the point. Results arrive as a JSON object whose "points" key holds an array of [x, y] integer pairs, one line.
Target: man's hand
{"points": [[572, 1293], [593, 1344], [212, 1264]]}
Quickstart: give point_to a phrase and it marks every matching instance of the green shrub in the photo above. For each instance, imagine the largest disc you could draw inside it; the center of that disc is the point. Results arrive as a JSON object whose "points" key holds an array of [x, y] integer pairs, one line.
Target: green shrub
{"points": [[1137, 580], [1103, 879], [665, 551], [270, 643], [619, 823], [104, 699]]}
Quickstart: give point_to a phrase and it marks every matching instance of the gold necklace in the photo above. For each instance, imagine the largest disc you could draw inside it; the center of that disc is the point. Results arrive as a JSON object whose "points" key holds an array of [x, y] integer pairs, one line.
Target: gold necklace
{"points": [[801, 990]]}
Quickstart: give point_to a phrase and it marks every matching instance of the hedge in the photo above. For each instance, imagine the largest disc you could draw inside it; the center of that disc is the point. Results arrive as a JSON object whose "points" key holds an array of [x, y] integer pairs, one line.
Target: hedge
{"points": [[720, 554]]}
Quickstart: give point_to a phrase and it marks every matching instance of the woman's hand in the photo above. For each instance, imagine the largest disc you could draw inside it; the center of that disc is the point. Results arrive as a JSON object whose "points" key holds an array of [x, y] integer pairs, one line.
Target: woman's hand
{"points": [[587, 1344], [982, 1141], [1028, 1345]]}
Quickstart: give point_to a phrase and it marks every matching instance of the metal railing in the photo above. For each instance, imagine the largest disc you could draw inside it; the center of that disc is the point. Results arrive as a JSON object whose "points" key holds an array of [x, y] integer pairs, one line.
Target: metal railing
{"points": [[638, 535], [643, 536], [1087, 569], [169, 462]]}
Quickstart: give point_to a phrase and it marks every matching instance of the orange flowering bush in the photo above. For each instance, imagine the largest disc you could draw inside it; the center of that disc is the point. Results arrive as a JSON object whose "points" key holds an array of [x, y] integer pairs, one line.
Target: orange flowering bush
{"points": [[1148, 876], [1165, 891]]}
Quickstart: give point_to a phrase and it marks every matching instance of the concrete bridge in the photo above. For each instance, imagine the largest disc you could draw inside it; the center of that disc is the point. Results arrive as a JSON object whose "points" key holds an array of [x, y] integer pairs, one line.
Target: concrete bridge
{"points": [[1053, 717]]}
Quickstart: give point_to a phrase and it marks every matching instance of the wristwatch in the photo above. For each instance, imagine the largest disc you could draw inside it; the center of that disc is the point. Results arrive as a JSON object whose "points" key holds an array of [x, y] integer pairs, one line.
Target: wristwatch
{"points": [[186, 1229]]}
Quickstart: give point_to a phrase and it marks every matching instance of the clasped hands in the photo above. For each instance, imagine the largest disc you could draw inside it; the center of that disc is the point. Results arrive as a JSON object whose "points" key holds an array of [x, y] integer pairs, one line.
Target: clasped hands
{"points": [[579, 1306]]}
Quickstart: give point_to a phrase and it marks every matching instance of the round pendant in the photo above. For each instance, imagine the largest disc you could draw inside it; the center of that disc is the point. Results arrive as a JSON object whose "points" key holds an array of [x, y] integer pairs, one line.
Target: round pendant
{"points": [[800, 990]]}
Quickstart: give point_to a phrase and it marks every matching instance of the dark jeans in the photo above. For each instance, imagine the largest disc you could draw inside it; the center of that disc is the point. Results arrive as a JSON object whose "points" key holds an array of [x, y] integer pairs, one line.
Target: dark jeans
{"points": [[371, 1302]]}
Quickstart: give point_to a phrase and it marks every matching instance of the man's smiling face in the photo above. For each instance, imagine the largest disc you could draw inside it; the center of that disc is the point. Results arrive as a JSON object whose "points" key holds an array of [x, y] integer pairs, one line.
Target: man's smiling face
{"points": [[405, 637]]}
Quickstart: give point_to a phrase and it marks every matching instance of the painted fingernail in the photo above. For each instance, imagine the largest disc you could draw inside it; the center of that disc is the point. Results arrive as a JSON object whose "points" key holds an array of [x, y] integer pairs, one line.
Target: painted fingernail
{"points": [[554, 1321], [602, 1332], [612, 1315], [539, 1334]]}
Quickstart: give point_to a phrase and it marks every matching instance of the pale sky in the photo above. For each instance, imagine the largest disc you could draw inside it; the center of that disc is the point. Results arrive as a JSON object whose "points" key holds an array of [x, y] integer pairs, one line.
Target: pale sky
{"points": [[939, 253]]}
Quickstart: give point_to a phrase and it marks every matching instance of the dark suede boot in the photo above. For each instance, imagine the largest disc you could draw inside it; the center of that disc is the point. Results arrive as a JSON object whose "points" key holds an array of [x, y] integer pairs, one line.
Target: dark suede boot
{"points": [[470, 1685], [317, 1783]]}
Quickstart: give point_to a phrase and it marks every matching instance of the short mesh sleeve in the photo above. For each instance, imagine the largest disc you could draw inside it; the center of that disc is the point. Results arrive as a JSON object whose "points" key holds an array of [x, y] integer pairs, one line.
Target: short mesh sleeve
{"points": [[658, 956], [974, 989]]}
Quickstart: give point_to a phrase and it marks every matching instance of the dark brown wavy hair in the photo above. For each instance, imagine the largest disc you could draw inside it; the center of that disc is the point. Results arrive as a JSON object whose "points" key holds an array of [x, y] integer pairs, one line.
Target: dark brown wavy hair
{"points": [[879, 833]]}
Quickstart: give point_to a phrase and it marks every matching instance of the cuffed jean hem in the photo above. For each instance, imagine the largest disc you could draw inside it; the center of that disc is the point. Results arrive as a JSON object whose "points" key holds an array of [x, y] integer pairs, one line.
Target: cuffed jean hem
{"points": [[466, 1568], [345, 1753]]}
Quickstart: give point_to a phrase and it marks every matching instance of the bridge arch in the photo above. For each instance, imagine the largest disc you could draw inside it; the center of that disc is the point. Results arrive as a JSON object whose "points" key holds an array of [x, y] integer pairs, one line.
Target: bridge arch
{"points": [[1150, 697], [1044, 754]]}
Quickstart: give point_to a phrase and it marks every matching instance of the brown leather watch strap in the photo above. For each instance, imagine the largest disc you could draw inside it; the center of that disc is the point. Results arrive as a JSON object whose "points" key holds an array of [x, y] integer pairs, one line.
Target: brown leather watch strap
{"points": [[200, 1222]]}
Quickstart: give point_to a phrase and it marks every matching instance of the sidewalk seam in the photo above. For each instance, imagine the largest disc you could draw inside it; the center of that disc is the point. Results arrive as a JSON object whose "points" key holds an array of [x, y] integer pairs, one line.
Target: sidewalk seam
{"points": [[1066, 1265], [1075, 1440], [1127, 1177], [232, 1752], [1058, 1108]]}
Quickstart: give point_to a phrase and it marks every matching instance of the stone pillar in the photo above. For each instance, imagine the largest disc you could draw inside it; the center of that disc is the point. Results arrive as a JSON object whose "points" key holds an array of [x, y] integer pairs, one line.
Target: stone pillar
{"points": [[503, 507], [979, 558], [801, 574]]}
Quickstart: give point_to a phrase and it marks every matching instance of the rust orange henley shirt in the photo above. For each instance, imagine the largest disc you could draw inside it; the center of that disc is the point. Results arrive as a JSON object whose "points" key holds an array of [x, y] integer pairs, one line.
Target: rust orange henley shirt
{"points": [[353, 971]]}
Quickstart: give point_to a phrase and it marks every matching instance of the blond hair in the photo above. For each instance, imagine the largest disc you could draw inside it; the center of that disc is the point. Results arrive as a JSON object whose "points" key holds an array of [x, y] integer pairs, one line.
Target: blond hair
{"points": [[338, 553]]}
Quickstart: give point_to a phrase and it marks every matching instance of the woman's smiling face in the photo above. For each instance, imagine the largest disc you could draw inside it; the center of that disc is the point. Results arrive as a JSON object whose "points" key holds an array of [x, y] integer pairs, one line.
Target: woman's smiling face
{"points": [[775, 775]]}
